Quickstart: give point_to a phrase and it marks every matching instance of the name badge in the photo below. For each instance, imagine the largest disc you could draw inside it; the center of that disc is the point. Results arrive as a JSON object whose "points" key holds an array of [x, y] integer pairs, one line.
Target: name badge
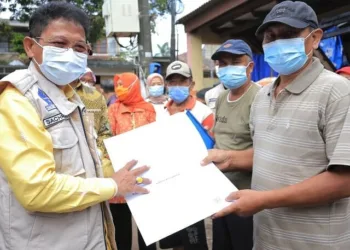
{"points": [[53, 120]]}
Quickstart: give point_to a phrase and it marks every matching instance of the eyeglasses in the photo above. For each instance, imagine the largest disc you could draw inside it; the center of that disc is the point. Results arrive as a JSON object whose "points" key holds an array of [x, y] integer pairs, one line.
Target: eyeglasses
{"points": [[64, 45]]}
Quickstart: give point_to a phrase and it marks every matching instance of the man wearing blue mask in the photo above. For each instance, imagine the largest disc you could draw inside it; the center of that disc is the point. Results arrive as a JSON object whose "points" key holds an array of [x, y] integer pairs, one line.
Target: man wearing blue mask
{"points": [[231, 132], [180, 84], [52, 190], [301, 128]]}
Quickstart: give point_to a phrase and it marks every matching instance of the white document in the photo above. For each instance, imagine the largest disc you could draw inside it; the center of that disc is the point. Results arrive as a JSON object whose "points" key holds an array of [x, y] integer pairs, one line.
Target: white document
{"points": [[182, 191]]}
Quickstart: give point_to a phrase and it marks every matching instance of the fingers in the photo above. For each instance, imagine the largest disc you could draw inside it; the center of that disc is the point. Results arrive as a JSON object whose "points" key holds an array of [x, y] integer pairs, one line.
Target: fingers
{"points": [[221, 166], [139, 171], [146, 181], [228, 210], [140, 190], [233, 196], [130, 165], [207, 159]]}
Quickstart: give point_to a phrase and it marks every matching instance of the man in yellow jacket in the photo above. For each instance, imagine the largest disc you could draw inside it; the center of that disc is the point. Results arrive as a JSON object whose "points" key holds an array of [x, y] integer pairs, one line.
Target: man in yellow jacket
{"points": [[52, 189]]}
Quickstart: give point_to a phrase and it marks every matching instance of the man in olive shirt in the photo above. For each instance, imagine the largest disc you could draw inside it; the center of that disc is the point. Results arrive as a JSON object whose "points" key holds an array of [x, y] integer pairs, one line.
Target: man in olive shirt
{"points": [[232, 132]]}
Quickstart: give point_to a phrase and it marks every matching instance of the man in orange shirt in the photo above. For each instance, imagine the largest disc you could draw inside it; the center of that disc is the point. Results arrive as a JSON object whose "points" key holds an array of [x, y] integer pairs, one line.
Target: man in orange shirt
{"points": [[180, 83]]}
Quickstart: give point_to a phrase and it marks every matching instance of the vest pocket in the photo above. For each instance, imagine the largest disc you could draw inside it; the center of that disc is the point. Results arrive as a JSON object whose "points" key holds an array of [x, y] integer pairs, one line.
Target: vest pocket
{"points": [[66, 150], [63, 232]]}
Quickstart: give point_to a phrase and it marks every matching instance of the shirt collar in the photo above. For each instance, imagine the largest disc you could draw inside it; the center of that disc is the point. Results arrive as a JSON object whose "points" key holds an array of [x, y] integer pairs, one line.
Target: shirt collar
{"points": [[189, 105], [304, 79], [58, 96]]}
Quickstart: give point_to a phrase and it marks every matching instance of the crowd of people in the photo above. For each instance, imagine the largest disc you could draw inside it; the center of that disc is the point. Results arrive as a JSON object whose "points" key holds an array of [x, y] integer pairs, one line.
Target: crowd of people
{"points": [[284, 143]]}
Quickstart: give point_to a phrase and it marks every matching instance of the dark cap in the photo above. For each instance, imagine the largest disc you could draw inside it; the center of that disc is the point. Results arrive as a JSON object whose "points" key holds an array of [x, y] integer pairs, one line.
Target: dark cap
{"points": [[295, 14], [235, 47]]}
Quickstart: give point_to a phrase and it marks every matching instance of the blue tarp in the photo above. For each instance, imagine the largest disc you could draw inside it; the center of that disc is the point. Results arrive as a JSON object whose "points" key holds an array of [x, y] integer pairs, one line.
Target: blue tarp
{"points": [[333, 49], [261, 69]]}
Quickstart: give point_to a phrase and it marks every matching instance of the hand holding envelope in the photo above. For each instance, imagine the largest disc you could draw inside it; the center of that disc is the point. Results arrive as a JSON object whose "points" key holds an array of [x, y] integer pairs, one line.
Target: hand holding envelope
{"points": [[129, 180], [182, 192]]}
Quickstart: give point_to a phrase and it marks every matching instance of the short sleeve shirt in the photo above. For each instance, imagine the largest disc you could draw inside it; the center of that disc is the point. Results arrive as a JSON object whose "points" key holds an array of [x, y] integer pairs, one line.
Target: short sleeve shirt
{"points": [[231, 130], [296, 136]]}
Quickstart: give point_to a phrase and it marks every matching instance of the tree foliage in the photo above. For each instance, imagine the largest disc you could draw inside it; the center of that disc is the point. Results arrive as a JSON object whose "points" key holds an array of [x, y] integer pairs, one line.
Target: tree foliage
{"points": [[17, 43], [15, 40], [5, 29], [164, 50], [128, 55], [23, 9], [158, 8]]}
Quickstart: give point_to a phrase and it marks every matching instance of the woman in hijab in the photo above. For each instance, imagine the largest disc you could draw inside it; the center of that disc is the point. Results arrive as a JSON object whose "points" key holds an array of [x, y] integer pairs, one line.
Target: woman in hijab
{"points": [[129, 112], [155, 84]]}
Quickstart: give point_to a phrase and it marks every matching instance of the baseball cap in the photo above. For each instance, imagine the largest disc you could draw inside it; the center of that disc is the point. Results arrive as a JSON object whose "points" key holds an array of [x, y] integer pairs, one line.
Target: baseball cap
{"points": [[235, 47], [345, 70], [292, 13], [180, 68]]}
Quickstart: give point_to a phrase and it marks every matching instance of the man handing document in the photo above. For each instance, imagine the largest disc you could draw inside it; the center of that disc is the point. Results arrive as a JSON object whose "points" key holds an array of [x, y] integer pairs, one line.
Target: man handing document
{"points": [[180, 194]]}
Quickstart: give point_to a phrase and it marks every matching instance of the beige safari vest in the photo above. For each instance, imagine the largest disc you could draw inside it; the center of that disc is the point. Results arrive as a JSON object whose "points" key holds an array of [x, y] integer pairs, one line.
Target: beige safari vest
{"points": [[75, 154]]}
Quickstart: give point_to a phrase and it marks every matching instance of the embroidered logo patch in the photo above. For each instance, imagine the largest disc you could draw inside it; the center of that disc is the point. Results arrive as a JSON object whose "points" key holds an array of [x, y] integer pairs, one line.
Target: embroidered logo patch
{"points": [[48, 122], [176, 66], [50, 106]]}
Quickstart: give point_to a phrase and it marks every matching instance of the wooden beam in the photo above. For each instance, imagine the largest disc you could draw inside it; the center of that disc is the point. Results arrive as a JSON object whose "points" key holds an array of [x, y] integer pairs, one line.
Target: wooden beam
{"points": [[331, 8], [239, 27], [248, 6], [219, 9]]}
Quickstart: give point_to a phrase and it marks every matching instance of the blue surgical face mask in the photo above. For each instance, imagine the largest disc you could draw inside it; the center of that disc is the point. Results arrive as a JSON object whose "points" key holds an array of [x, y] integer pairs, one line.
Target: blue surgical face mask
{"points": [[156, 91], [286, 56], [179, 93], [60, 65], [232, 76]]}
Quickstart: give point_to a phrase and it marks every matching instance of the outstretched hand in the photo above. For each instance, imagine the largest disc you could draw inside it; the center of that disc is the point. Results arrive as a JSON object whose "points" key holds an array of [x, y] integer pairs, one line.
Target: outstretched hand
{"points": [[244, 203]]}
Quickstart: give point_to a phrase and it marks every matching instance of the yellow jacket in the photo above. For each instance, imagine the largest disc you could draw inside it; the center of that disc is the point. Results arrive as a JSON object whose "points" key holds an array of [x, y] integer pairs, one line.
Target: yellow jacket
{"points": [[46, 168]]}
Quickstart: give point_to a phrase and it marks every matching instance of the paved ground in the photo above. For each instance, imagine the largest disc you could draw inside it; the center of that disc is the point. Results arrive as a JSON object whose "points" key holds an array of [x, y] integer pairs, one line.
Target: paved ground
{"points": [[208, 226]]}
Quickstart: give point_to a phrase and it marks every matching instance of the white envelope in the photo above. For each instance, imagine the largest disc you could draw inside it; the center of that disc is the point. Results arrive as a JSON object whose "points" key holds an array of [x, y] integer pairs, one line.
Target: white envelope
{"points": [[182, 191]]}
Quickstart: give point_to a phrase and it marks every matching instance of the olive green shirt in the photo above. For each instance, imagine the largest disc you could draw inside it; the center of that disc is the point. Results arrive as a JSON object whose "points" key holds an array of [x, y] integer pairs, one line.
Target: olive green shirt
{"points": [[232, 130]]}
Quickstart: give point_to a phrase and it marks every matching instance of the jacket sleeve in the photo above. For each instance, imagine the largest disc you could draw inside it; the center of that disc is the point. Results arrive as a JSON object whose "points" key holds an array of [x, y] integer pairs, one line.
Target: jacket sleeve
{"points": [[26, 158]]}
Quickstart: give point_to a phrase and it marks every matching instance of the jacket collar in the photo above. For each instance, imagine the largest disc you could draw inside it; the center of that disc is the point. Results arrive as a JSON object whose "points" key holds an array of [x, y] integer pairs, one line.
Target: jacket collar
{"points": [[59, 98]]}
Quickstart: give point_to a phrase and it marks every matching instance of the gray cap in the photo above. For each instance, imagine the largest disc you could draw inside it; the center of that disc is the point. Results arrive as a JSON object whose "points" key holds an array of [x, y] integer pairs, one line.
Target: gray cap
{"points": [[179, 68], [295, 14], [235, 47]]}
